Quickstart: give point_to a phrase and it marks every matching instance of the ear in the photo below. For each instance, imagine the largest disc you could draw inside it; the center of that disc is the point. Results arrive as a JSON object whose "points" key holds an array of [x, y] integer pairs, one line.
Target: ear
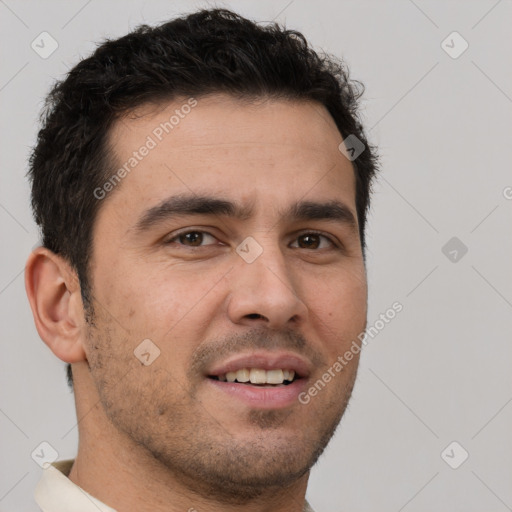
{"points": [[53, 291]]}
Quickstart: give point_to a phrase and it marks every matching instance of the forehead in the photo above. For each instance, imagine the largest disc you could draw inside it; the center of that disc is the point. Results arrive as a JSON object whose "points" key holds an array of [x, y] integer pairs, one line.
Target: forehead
{"points": [[266, 151], [220, 118]]}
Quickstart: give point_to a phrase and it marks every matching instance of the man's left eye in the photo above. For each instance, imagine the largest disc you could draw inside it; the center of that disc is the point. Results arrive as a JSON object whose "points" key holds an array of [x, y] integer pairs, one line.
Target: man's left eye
{"points": [[313, 241]]}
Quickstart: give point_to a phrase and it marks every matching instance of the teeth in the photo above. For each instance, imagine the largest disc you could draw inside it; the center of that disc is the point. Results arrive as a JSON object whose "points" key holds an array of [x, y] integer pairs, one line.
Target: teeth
{"points": [[275, 377], [243, 375], [258, 376]]}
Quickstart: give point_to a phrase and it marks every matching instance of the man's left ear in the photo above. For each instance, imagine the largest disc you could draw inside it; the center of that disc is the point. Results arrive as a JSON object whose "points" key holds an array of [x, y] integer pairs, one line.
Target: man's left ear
{"points": [[53, 290]]}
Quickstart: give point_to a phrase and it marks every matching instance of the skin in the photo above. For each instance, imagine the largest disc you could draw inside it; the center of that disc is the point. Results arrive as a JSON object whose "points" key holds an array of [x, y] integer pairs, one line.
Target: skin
{"points": [[159, 437]]}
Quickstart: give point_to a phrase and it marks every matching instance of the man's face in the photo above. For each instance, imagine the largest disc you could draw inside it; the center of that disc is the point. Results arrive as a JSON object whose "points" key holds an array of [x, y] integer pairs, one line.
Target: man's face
{"points": [[292, 297]]}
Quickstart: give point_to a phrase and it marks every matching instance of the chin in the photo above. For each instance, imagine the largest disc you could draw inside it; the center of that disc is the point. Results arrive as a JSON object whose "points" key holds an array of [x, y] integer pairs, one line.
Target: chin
{"points": [[236, 469]]}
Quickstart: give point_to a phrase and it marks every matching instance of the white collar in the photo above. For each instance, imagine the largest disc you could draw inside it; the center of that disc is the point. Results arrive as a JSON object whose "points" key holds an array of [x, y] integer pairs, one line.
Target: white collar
{"points": [[55, 492]]}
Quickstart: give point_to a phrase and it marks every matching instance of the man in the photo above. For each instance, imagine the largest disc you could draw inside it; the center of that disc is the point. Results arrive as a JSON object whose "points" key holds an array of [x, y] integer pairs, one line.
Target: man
{"points": [[202, 266]]}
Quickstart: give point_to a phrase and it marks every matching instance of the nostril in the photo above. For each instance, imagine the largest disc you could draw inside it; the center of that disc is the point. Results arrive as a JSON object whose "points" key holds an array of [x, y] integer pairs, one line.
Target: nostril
{"points": [[254, 315]]}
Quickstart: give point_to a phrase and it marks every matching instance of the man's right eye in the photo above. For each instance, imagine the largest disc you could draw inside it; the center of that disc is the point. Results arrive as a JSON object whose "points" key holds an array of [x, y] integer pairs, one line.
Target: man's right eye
{"points": [[191, 238]]}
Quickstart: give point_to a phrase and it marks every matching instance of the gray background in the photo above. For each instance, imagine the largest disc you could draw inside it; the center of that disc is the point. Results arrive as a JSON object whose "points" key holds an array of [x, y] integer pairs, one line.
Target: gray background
{"points": [[439, 372]]}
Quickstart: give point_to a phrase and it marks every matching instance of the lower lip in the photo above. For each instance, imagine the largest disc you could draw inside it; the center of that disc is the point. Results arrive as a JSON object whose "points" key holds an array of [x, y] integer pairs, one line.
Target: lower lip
{"points": [[262, 397]]}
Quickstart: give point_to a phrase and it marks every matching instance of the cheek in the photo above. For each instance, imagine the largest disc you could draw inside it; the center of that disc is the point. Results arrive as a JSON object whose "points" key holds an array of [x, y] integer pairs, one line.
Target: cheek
{"points": [[175, 300], [339, 308], [149, 301]]}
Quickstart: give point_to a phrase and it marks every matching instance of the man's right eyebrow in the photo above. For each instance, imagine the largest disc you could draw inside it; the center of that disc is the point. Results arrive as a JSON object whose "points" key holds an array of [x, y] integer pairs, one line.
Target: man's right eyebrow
{"points": [[182, 205]]}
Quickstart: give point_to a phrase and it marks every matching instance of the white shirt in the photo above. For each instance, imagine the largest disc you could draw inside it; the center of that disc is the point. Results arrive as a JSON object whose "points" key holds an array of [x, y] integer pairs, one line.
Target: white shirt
{"points": [[55, 492]]}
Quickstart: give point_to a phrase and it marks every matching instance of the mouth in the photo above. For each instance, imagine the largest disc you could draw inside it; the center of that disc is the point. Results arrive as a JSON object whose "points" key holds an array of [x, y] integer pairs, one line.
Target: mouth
{"points": [[261, 380], [258, 377]]}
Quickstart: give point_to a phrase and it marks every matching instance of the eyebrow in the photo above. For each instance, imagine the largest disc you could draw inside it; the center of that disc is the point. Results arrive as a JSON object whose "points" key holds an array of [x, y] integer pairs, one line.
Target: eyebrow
{"points": [[185, 205]]}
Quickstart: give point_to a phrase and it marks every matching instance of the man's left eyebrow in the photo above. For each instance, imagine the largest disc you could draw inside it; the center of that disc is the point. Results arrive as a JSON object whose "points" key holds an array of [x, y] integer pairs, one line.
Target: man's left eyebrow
{"points": [[331, 210]]}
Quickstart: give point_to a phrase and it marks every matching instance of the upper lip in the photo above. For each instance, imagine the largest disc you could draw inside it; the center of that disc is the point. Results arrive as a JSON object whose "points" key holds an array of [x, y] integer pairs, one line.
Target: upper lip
{"points": [[264, 361]]}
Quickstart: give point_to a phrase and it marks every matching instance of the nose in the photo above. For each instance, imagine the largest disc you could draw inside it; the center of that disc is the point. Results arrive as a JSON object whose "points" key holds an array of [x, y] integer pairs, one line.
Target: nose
{"points": [[264, 293]]}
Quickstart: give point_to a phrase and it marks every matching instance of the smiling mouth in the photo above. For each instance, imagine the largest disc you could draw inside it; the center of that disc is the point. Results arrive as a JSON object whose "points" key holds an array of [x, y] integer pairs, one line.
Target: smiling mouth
{"points": [[258, 377]]}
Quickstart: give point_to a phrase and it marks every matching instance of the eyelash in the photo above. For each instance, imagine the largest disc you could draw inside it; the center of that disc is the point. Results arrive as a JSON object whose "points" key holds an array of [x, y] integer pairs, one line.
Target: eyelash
{"points": [[176, 237]]}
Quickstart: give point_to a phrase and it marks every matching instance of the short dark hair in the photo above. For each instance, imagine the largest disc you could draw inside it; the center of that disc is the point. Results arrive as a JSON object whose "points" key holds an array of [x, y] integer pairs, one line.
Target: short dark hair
{"points": [[210, 51]]}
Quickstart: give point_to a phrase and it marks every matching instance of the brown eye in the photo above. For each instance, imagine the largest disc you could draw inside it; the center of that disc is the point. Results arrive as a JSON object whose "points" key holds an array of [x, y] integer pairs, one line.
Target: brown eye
{"points": [[313, 241], [309, 241], [193, 238]]}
